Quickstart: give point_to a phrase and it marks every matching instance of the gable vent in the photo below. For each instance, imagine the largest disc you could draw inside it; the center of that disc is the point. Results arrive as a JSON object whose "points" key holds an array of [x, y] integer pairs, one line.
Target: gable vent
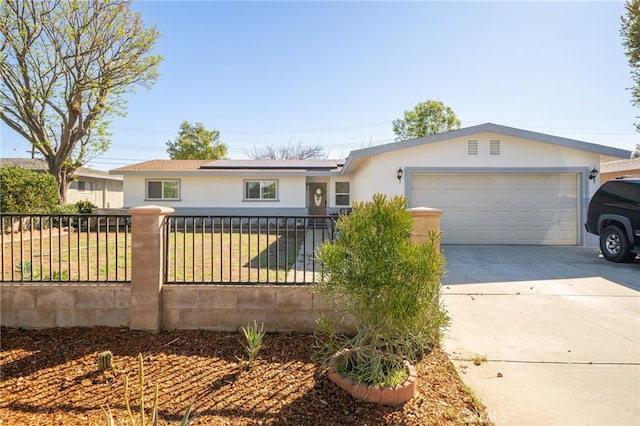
{"points": [[472, 147], [494, 147]]}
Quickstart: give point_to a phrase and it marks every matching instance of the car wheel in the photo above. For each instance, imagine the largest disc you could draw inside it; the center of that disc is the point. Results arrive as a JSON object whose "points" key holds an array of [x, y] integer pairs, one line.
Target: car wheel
{"points": [[614, 245]]}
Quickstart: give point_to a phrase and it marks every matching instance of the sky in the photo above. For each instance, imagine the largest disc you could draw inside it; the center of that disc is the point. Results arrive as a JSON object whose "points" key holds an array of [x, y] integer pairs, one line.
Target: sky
{"points": [[337, 74]]}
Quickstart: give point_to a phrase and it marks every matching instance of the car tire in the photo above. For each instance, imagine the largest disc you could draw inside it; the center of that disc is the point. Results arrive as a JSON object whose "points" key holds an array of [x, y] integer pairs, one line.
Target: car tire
{"points": [[614, 245]]}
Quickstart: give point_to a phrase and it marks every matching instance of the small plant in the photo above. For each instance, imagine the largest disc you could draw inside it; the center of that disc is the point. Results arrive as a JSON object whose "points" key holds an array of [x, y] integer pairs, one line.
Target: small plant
{"points": [[104, 360], [254, 337], [26, 269], [479, 359], [109, 421]]}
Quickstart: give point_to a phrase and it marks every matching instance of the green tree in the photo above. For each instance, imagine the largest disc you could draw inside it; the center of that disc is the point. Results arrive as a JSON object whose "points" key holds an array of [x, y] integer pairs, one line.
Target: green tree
{"points": [[26, 191], [427, 118], [630, 32], [636, 153], [194, 142], [65, 67]]}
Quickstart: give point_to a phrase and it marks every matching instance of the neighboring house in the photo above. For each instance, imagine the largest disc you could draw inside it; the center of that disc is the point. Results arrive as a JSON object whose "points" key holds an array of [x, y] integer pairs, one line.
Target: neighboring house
{"points": [[495, 184], [620, 168], [100, 188]]}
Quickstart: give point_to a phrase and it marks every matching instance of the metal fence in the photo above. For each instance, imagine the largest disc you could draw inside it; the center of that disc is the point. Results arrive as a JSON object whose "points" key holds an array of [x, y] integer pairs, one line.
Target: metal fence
{"points": [[65, 248], [198, 249], [243, 249]]}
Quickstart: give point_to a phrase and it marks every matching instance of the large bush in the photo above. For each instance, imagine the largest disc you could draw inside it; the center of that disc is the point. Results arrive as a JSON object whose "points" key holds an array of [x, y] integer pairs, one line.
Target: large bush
{"points": [[25, 191], [391, 286]]}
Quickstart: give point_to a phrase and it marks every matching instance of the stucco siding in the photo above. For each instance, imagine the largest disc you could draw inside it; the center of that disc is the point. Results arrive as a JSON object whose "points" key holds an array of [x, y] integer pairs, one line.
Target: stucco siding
{"points": [[362, 189], [217, 191], [104, 193], [514, 152]]}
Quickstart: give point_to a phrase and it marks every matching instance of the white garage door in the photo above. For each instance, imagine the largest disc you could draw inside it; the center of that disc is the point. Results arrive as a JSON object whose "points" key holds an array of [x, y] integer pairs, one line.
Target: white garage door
{"points": [[540, 209]]}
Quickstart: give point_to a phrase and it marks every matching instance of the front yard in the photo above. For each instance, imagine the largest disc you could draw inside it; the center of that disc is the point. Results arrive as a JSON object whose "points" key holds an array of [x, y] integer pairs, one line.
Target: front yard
{"points": [[49, 378], [191, 256]]}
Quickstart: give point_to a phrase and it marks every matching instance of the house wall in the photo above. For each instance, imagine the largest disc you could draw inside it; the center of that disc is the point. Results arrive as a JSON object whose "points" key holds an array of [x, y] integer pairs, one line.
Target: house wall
{"points": [[105, 193], [362, 188], [200, 193], [514, 153]]}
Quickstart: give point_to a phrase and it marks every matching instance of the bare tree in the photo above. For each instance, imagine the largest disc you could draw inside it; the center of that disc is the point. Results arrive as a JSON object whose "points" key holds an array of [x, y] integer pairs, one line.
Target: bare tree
{"points": [[64, 68], [288, 152]]}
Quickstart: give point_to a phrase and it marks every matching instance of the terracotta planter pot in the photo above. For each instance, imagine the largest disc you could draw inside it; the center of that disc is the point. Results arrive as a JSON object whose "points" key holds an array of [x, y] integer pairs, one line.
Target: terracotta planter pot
{"points": [[381, 395]]}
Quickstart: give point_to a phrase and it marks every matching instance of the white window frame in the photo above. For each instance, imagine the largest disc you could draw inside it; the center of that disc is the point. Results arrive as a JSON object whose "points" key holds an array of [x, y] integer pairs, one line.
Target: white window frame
{"points": [[264, 183], [162, 181], [337, 194]]}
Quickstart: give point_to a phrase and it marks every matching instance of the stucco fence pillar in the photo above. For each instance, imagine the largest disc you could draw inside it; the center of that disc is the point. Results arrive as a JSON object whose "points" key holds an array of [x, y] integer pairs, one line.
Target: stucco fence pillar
{"points": [[425, 220], [147, 260]]}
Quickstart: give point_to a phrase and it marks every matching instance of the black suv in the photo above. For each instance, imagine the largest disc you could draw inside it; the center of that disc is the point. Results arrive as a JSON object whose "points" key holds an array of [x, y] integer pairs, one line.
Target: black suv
{"points": [[614, 215]]}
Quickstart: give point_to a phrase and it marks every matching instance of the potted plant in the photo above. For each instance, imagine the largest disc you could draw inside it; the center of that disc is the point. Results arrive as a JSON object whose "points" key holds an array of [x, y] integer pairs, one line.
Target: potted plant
{"points": [[390, 287]]}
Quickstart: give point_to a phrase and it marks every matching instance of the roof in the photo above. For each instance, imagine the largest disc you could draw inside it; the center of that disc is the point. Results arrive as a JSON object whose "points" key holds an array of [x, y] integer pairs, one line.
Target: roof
{"points": [[162, 166], [620, 165], [232, 166], [37, 164], [327, 165], [324, 167], [26, 163], [603, 150]]}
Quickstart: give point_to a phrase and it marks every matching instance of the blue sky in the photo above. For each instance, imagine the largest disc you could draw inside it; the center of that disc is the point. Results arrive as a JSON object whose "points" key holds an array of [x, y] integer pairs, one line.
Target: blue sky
{"points": [[338, 73]]}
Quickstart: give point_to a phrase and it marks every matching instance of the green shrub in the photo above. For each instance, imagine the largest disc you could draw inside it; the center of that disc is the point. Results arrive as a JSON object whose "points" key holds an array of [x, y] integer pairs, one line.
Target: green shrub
{"points": [[389, 284], [85, 207], [26, 191]]}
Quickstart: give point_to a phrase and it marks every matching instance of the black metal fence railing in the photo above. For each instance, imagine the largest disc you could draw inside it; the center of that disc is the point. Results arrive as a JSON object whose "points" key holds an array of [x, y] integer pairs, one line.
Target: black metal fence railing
{"points": [[65, 248], [243, 249]]}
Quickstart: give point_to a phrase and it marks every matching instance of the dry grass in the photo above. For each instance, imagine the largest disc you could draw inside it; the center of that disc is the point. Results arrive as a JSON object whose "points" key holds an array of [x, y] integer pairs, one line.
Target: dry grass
{"points": [[50, 255]]}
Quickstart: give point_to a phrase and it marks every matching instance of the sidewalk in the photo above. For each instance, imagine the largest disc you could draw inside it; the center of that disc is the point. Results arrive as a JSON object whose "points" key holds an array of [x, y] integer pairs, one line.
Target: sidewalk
{"points": [[305, 268]]}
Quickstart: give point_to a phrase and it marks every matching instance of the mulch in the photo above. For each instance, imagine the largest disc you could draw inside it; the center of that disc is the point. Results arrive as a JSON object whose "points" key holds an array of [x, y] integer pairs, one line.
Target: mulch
{"points": [[49, 377]]}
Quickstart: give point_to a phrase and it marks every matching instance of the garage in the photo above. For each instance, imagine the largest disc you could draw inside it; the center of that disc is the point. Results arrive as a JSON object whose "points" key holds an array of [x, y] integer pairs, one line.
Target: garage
{"points": [[495, 208]]}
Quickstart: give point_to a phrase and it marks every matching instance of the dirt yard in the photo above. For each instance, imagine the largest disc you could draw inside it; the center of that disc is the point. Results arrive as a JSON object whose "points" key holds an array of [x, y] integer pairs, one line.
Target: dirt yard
{"points": [[49, 378]]}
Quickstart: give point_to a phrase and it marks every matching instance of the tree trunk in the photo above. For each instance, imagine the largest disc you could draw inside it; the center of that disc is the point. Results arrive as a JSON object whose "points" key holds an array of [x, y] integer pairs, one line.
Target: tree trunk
{"points": [[63, 174]]}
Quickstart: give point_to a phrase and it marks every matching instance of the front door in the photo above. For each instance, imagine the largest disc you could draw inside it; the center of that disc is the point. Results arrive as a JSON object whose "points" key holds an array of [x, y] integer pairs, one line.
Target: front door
{"points": [[317, 199]]}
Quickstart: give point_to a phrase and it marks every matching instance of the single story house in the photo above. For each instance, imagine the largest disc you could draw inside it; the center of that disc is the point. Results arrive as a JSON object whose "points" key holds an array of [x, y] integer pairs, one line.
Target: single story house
{"points": [[495, 184], [102, 189], [619, 168]]}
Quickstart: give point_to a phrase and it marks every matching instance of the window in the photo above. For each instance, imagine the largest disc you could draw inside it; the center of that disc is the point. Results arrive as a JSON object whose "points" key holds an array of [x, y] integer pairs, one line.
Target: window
{"points": [[260, 190], [342, 194], [84, 186], [472, 147], [494, 147], [163, 189]]}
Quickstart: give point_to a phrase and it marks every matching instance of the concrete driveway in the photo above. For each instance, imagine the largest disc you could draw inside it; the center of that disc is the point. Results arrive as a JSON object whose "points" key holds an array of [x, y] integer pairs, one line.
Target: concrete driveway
{"points": [[557, 331]]}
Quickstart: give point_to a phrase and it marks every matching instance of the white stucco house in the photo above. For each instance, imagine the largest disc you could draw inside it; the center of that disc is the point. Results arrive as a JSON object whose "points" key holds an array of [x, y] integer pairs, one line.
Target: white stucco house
{"points": [[495, 184]]}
